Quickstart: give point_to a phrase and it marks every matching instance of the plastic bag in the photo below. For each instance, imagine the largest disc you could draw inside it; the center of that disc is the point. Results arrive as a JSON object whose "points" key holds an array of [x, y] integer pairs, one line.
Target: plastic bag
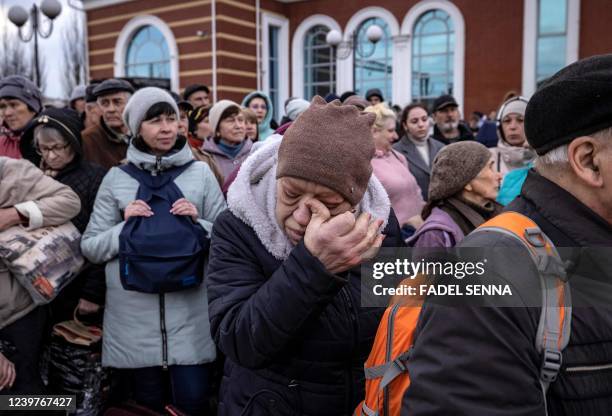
{"points": [[75, 369]]}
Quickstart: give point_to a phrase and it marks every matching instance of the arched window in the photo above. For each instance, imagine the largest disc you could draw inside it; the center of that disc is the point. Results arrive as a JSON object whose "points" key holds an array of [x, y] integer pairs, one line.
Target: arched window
{"points": [[433, 48], [147, 54], [372, 64], [319, 63]]}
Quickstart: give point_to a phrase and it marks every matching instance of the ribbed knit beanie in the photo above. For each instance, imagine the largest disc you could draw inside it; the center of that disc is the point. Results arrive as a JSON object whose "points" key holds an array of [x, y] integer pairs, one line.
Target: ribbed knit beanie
{"points": [[454, 167], [331, 145], [139, 103], [215, 113]]}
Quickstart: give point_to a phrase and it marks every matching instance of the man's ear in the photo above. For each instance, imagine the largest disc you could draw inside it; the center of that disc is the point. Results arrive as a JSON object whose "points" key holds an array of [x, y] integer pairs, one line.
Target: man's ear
{"points": [[583, 159]]}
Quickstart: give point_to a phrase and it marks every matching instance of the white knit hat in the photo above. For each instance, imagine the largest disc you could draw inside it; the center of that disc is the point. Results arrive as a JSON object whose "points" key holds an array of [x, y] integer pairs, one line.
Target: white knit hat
{"points": [[296, 107], [139, 103], [214, 116]]}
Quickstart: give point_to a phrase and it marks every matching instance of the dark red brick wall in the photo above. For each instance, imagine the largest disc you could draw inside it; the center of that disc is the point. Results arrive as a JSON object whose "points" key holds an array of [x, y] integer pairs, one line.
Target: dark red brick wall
{"points": [[493, 44]]}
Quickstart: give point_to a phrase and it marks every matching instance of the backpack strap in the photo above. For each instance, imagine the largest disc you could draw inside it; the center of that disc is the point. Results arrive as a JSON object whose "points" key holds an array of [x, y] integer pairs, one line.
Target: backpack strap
{"points": [[554, 325], [141, 175]]}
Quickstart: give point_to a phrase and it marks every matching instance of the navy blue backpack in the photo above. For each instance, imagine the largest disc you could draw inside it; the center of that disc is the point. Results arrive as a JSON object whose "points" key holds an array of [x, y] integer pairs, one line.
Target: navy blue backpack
{"points": [[164, 252]]}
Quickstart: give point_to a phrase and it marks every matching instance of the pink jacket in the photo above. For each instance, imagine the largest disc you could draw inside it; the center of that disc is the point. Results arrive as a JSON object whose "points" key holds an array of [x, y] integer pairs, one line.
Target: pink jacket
{"points": [[401, 186], [9, 143]]}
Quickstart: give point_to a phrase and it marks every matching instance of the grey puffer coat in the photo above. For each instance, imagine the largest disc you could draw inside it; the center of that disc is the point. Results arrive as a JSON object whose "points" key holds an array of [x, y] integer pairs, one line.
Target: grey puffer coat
{"points": [[132, 335]]}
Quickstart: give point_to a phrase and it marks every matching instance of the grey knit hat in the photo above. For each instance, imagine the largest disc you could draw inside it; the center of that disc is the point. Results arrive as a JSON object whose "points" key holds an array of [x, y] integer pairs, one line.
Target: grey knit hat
{"points": [[78, 92], [21, 88], [296, 107], [139, 103], [214, 116], [454, 167]]}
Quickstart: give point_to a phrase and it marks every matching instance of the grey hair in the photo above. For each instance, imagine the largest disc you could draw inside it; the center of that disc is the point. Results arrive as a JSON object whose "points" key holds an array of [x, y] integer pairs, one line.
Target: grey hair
{"points": [[48, 131], [558, 157]]}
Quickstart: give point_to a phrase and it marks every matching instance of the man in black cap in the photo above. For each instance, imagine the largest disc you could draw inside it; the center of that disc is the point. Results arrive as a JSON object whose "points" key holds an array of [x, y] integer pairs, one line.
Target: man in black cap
{"points": [[448, 126], [374, 96], [197, 94], [495, 368], [106, 144]]}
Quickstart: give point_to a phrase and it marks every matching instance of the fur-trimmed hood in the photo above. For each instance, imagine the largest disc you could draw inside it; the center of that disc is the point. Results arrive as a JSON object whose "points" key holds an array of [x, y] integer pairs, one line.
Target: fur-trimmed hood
{"points": [[252, 198]]}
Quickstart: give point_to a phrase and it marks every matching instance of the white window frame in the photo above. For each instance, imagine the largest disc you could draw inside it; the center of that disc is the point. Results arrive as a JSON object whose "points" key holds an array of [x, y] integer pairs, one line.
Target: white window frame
{"points": [[297, 51], [282, 23], [404, 87], [345, 68], [126, 36], [530, 38]]}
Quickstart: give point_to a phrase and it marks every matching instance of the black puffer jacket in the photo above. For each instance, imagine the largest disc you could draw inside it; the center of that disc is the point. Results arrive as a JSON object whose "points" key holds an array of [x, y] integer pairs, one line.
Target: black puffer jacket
{"points": [[294, 335], [483, 361], [84, 178]]}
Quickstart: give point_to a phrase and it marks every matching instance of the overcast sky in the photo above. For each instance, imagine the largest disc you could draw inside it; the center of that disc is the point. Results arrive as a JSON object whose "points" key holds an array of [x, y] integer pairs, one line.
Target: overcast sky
{"points": [[51, 48]]}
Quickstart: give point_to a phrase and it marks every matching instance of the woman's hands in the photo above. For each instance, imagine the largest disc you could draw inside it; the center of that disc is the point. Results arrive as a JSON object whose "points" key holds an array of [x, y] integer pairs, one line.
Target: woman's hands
{"points": [[7, 372], [184, 207], [139, 208]]}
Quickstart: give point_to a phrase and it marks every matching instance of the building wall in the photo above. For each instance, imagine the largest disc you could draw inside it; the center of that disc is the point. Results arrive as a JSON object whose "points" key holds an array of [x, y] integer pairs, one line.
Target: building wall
{"points": [[235, 40], [493, 39], [595, 34], [493, 42]]}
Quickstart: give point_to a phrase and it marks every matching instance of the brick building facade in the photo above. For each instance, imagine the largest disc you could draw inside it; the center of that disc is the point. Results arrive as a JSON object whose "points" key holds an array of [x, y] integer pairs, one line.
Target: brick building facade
{"points": [[476, 50]]}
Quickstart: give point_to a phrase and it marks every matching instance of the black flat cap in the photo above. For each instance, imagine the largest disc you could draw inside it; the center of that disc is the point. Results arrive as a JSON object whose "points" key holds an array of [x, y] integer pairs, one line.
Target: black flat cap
{"points": [[374, 92], [111, 86], [190, 89], [444, 101], [576, 101]]}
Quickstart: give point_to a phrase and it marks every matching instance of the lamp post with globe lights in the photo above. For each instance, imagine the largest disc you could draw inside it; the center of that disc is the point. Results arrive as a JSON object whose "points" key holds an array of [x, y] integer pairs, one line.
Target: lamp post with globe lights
{"points": [[20, 16], [374, 33]]}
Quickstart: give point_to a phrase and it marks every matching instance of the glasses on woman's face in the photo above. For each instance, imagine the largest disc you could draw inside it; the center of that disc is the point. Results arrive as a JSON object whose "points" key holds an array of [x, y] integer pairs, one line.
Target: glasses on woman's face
{"points": [[258, 107], [57, 149]]}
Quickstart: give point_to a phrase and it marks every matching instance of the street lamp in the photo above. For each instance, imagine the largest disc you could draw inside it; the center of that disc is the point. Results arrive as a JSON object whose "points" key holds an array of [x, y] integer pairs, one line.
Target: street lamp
{"points": [[374, 33], [19, 17]]}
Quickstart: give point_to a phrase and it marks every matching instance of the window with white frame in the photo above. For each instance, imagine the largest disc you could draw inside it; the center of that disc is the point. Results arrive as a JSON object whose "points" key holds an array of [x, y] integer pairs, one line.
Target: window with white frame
{"points": [[273, 68], [433, 48], [319, 63], [372, 62], [147, 54], [551, 38]]}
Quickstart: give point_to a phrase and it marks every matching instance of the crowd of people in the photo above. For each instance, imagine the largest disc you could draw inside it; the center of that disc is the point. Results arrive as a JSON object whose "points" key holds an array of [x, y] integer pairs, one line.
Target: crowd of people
{"points": [[224, 249]]}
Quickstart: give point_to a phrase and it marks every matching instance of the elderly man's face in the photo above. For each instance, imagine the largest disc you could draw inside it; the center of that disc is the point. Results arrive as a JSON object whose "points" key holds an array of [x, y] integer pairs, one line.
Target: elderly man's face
{"points": [[447, 118], [293, 215], [112, 106]]}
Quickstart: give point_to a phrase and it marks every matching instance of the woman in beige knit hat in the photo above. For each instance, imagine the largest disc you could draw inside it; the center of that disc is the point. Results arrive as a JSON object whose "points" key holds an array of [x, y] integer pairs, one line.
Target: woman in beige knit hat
{"points": [[228, 144], [462, 192]]}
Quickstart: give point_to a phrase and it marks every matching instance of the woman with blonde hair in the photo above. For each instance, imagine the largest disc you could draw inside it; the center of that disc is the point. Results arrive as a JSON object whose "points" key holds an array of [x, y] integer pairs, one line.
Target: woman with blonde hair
{"points": [[391, 168]]}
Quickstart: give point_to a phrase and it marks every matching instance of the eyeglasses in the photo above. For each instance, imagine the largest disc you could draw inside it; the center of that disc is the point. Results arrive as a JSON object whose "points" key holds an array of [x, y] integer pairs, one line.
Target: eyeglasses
{"points": [[55, 149], [259, 107]]}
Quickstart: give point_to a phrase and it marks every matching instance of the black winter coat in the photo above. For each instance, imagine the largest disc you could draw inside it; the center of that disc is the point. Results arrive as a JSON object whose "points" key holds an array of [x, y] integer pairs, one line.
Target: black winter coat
{"points": [[294, 335], [483, 361], [84, 179]]}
